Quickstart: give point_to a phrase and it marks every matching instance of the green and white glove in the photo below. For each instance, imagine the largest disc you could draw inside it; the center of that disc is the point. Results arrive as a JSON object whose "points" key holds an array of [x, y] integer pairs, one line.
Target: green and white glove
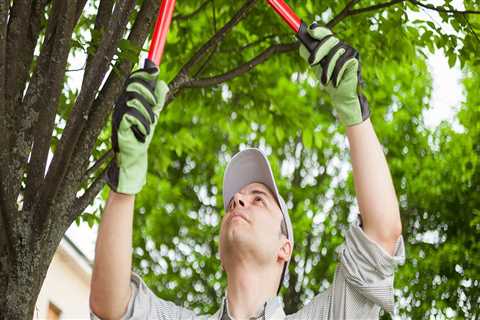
{"points": [[133, 124], [337, 66]]}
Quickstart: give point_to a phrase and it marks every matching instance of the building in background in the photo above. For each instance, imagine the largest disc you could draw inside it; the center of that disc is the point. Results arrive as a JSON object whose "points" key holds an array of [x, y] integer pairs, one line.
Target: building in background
{"points": [[66, 288]]}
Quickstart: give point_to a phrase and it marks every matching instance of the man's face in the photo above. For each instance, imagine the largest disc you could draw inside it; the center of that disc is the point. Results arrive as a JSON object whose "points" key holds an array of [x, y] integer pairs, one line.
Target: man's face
{"points": [[251, 226]]}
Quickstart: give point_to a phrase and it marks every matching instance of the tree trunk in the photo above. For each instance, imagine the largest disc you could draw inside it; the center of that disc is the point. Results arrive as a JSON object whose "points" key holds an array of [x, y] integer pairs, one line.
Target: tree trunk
{"points": [[22, 273]]}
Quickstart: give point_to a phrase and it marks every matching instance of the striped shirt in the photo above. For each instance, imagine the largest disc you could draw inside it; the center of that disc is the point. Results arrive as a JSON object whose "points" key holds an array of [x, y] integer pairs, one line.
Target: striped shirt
{"points": [[362, 285]]}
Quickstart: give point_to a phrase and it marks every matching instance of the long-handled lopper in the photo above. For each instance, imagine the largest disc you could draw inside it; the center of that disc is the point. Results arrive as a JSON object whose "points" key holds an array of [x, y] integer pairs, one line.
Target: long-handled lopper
{"points": [[160, 33]]}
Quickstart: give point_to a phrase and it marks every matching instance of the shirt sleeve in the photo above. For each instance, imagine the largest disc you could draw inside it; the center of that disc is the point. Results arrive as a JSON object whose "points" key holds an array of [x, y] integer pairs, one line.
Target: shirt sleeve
{"points": [[144, 304], [363, 281], [364, 276]]}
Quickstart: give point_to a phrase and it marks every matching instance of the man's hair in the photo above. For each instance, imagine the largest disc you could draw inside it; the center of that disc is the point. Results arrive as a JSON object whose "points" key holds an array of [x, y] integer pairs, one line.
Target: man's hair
{"points": [[283, 224], [283, 228]]}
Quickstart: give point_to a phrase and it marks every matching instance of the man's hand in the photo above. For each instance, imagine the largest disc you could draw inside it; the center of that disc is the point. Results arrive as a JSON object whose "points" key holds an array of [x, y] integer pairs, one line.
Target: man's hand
{"points": [[133, 124], [337, 66]]}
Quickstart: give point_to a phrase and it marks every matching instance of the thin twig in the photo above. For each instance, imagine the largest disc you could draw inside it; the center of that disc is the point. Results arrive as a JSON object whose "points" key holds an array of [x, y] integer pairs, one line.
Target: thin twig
{"points": [[216, 38], [344, 13], [267, 53], [214, 16], [470, 27], [191, 14], [205, 63], [92, 191], [440, 9], [106, 156], [255, 43], [374, 7]]}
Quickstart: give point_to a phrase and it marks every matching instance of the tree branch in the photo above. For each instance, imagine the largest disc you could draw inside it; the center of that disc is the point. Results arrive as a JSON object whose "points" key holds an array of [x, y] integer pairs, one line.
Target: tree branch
{"points": [[205, 63], [256, 42], [104, 102], [48, 80], [7, 201], [441, 9], [16, 45], [101, 23], [266, 54], [23, 56], [80, 112], [15, 48], [179, 16], [182, 76], [105, 157], [182, 80], [344, 13], [25, 112], [374, 7], [4, 143], [219, 35], [102, 106], [79, 10], [80, 204], [471, 29]]}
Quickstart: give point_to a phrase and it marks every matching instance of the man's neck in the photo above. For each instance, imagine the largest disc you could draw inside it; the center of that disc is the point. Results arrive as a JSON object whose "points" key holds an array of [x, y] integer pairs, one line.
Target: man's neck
{"points": [[247, 291]]}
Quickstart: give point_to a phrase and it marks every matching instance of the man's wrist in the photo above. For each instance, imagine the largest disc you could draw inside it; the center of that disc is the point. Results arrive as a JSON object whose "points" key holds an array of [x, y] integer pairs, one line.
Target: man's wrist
{"points": [[359, 128], [118, 196]]}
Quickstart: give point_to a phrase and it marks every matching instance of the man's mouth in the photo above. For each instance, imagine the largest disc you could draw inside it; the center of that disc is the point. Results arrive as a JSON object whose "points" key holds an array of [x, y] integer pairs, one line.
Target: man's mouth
{"points": [[239, 215]]}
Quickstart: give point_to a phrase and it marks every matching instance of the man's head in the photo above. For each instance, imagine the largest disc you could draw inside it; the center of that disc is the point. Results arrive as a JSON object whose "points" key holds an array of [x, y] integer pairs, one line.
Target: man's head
{"points": [[255, 230]]}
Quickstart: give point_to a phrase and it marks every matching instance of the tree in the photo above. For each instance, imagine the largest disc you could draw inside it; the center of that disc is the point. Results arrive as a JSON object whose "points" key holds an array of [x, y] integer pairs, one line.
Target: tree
{"points": [[234, 78]]}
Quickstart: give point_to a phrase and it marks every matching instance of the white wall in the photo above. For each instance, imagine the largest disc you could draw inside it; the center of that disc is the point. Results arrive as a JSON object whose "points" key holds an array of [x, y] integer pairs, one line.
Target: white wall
{"points": [[67, 285]]}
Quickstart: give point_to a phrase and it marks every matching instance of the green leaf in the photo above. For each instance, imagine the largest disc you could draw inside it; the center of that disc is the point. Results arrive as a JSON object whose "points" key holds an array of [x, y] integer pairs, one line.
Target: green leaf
{"points": [[318, 139], [307, 138], [279, 133], [452, 58]]}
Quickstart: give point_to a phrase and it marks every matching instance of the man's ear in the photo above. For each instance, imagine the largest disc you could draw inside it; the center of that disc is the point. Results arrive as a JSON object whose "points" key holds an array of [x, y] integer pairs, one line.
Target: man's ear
{"points": [[285, 251]]}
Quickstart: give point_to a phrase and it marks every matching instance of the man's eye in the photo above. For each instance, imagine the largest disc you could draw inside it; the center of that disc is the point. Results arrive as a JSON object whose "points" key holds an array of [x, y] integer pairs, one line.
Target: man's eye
{"points": [[259, 199]]}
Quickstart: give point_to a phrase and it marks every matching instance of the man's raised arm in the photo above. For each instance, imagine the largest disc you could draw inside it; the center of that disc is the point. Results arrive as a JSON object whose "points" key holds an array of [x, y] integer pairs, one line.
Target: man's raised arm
{"points": [[337, 67], [133, 123], [374, 188], [110, 286]]}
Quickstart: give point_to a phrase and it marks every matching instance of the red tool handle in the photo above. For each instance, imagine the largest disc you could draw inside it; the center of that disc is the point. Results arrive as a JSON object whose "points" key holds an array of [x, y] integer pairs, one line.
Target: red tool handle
{"points": [[286, 13], [295, 23], [160, 32]]}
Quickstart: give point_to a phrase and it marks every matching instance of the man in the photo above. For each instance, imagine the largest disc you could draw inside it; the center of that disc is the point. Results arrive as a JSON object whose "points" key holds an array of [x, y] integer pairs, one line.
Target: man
{"points": [[256, 238]]}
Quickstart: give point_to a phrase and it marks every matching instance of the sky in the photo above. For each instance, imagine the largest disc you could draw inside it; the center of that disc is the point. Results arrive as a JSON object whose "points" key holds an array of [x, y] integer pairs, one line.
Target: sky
{"points": [[447, 95]]}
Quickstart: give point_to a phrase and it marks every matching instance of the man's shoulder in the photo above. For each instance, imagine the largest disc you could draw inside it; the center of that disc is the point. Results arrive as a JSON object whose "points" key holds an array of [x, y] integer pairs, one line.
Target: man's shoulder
{"points": [[316, 308]]}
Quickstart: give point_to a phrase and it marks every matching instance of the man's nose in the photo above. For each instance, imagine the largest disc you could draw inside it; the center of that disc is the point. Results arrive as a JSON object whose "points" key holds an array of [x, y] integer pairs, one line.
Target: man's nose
{"points": [[238, 200]]}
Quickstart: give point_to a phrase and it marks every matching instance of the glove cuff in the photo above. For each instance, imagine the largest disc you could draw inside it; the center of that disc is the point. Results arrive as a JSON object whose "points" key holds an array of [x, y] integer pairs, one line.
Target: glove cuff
{"points": [[361, 113], [112, 175], [119, 181]]}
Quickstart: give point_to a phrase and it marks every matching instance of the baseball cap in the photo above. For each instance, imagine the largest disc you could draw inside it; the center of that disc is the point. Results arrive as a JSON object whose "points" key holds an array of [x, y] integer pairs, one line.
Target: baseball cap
{"points": [[248, 166]]}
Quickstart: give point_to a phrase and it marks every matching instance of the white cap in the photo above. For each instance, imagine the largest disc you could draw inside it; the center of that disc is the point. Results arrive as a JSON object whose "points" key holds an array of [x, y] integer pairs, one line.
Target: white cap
{"points": [[248, 166]]}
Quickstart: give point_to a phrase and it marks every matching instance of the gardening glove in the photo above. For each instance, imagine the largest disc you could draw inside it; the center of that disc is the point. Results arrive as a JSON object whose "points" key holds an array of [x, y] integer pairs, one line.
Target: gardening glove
{"points": [[337, 66], [133, 124]]}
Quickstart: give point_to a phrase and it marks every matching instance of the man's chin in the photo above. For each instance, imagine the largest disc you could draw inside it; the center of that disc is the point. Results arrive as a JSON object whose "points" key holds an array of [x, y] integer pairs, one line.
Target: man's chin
{"points": [[239, 233]]}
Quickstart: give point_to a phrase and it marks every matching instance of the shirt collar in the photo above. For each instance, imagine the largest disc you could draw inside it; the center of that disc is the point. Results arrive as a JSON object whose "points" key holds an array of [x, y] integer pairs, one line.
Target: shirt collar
{"points": [[265, 312]]}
